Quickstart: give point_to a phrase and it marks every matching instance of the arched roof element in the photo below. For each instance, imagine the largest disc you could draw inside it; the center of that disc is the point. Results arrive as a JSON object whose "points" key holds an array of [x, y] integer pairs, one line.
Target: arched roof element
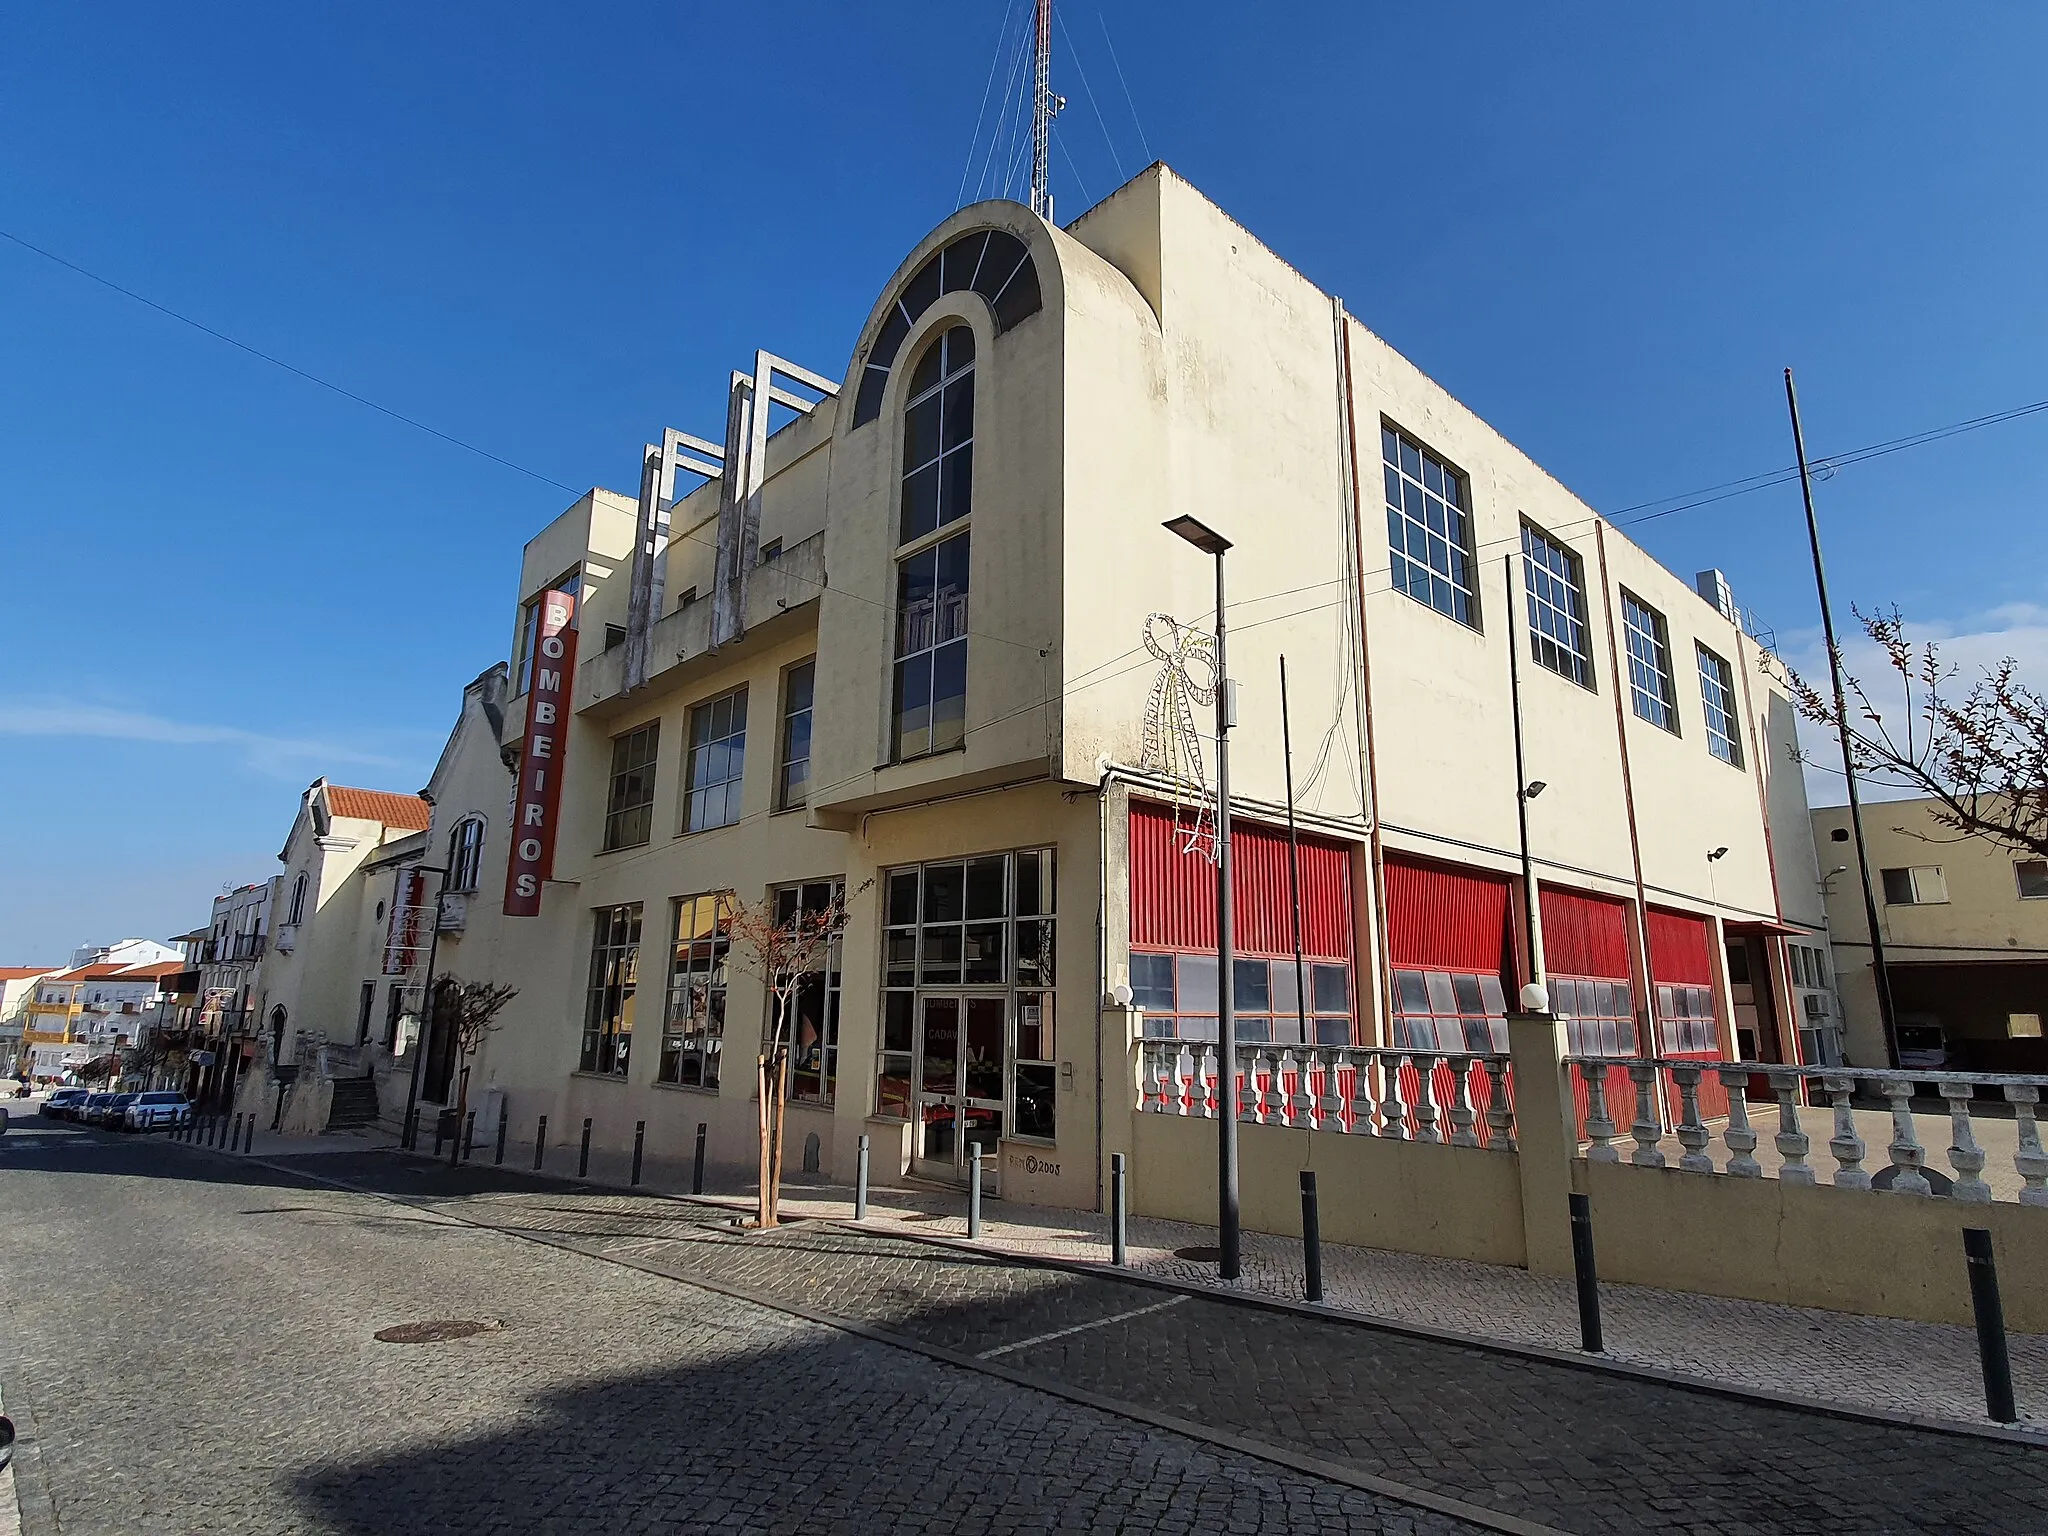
{"points": [[992, 262]]}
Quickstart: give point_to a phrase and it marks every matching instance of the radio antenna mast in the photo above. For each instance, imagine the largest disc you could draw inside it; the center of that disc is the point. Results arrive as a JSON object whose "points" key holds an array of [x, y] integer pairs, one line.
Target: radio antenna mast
{"points": [[1043, 106]]}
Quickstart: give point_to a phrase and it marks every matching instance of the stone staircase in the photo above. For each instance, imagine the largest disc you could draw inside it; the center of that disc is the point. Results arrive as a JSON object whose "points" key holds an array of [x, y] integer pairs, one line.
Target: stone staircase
{"points": [[354, 1104]]}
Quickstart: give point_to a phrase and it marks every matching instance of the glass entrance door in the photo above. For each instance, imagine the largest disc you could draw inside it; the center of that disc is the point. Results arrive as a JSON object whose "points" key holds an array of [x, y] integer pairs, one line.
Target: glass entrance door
{"points": [[959, 1074]]}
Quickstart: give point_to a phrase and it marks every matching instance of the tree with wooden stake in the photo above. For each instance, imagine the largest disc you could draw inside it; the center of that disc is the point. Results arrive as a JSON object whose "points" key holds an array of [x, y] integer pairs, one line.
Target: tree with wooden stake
{"points": [[783, 948], [1982, 758], [469, 1011]]}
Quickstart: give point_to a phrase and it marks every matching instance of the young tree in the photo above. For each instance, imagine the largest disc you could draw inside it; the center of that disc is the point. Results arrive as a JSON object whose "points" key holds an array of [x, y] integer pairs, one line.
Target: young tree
{"points": [[469, 1011], [1982, 758], [782, 948]]}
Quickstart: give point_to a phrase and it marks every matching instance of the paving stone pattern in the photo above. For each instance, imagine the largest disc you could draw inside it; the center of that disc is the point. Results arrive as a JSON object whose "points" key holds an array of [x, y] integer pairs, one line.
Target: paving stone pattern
{"points": [[194, 1337], [1581, 1450]]}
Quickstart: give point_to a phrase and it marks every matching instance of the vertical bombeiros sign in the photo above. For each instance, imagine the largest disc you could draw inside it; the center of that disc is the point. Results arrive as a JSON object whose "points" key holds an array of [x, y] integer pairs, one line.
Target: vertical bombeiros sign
{"points": [[540, 764]]}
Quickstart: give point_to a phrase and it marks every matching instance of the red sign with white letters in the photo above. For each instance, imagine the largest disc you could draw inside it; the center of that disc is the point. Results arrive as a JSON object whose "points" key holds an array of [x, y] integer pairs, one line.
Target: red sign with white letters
{"points": [[532, 858]]}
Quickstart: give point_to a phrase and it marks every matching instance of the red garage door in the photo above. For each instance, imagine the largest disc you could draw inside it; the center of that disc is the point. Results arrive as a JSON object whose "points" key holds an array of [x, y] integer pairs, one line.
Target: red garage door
{"points": [[1682, 996], [1586, 964]]}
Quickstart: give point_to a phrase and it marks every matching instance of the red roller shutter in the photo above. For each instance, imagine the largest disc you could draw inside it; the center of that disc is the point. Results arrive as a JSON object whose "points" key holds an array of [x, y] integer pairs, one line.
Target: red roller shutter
{"points": [[1173, 894], [1445, 919], [1680, 950], [1584, 935]]}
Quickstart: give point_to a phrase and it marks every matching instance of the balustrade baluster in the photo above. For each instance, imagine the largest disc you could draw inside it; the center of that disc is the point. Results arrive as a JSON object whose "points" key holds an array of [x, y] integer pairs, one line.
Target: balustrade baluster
{"points": [[1462, 1117], [1645, 1128], [1151, 1076], [1280, 1106], [2031, 1162], [1845, 1143], [1600, 1125], [1500, 1114], [1427, 1111], [1302, 1102], [1909, 1158], [1692, 1131], [1176, 1065], [1364, 1104], [1791, 1140], [1393, 1113], [1202, 1091], [1964, 1155], [1740, 1137], [1331, 1066]]}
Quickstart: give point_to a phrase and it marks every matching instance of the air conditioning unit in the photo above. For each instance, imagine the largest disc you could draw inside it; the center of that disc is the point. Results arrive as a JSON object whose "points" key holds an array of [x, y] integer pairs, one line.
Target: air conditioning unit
{"points": [[1817, 1005]]}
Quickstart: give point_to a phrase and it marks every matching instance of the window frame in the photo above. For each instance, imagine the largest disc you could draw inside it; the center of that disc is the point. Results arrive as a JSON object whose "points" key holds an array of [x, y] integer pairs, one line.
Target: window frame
{"points": [[1462, 605], [1920, 891], [947, 622], [1657, 639], [623, 769], [1545, 648], [2020, 879], [611, 990], [465, 856], [704, 1043], [787, 899], [570, 581], [731, 789], [785, 798], [297, 909], [1715, 669]]}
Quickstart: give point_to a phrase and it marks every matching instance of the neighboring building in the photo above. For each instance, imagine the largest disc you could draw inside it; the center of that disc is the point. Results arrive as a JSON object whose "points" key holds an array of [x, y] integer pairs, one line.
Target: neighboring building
{"points": [[90, 1010], [123, 952], [17, 989], [230, 959], [909, 645], [1965, 927]]}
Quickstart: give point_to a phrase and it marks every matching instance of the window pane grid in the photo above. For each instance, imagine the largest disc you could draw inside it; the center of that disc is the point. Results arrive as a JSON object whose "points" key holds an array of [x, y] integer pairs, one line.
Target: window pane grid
{"points": [[1450, 1012], [1685, 1017], [931, 649], [1557, 607], [718, 745], [693, 1022], [1178, 994], [1717, 693], [629, 806], [813, 1035], [1429, 540], [1652, 689], [793, 774], [608, 1011]]}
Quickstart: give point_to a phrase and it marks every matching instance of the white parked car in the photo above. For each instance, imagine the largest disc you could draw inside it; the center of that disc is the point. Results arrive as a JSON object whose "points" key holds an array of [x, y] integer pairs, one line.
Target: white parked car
{"points": [[158, 1112]]}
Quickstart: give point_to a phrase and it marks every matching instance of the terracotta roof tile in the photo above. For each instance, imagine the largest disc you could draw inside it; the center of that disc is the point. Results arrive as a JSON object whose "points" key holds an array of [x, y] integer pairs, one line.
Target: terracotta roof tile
{"points": [[156, 970], [23, 972], [393, 810]]}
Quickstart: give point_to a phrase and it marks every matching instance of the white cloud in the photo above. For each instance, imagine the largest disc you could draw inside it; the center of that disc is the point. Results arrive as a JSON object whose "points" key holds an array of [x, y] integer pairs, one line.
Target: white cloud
{"points": [[280, 755], [1971, 646]]}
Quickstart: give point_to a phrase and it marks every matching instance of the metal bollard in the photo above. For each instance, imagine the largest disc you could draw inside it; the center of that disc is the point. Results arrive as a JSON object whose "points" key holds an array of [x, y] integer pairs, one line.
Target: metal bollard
{"points": [[469, 1137], [1984, 1301], [697, 1164], [583, 1161], [234, 1133], [860, 1181], [249, 1136], [411, 1139], [974, 1193], [439, 1134], [212, 1132], [639, 1145], [1119, 1225], [498, 1160], [1588, 1275], [540, 1143], [1311, 1238]]}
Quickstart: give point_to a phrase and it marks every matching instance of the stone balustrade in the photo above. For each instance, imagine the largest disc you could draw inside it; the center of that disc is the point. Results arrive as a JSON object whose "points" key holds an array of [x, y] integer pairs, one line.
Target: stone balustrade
{"points": [[1669, 1092], [1454, 1099]]}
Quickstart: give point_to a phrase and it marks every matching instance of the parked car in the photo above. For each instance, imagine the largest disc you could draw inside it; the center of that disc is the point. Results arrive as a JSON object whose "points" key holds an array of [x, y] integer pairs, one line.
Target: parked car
{"points": [[1922, 1045], [92, 1109], [65, 1103], [159, 1111]]}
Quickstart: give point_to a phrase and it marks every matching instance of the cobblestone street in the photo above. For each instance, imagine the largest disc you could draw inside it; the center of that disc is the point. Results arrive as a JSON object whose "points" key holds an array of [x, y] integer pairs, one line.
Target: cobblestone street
{"points": [[616, 1399]]}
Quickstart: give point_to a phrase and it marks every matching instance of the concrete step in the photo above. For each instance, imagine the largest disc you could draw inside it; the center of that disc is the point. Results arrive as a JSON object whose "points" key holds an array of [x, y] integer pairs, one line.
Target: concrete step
{"points": [[354, 1104]]}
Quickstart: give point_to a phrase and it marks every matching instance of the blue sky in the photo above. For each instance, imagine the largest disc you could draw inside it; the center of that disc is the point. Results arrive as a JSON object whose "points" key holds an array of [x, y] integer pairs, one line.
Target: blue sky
{"points": [[550, 230]]}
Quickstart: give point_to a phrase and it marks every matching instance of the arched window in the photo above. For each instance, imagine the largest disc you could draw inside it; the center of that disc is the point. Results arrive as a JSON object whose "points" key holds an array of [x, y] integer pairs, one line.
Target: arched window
{"points": [[931, 580], [466, 854], [298, 907], [991, 262]]}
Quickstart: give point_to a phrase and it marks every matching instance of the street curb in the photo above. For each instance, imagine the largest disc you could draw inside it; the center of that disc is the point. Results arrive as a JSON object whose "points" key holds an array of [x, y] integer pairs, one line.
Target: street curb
{"points": [[1313, 1466], [32, 1498]]}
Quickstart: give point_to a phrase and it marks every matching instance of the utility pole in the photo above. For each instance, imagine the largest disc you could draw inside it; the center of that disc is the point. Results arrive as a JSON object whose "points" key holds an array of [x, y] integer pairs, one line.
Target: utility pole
{"points": [[1878, 971], [419, 1046], [1043, 105], [1532, 904]]}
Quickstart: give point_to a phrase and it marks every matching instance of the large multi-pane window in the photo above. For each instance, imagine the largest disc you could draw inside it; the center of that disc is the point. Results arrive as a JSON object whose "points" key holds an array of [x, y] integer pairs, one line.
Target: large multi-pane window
{"points": [[1651, 687], [1599, 1014], [980, 927], [608, 1007], [813, 1025], [931, 650], [793, 767], [1178, 994], [1429, 528], [629, 803], [938, 437], [570, 582], [718, 753], [1449, 1011], [1717, 693], [1555, 590], [693, 1022], [1685, 1016], [465, 855]]}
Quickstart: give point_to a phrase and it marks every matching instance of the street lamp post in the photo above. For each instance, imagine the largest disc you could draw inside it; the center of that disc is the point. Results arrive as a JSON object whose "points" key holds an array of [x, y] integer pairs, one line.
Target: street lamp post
{"points": [[1228, 1244], [407, 1138]]}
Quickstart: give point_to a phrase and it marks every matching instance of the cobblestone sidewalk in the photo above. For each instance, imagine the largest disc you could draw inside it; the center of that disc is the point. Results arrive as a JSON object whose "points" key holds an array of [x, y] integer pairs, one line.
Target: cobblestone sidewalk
{"points": [[1581, 1450]]}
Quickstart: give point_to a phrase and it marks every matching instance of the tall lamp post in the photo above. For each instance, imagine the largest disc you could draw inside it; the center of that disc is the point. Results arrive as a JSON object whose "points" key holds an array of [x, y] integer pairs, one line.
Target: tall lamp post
{"points": [[1228, 1244], [407, 1137]]}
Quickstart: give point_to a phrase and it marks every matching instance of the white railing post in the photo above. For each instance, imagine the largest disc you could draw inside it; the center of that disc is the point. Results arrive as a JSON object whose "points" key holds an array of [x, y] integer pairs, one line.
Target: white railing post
{"points": [[1845, 1143], [1462, 1118], [1500, 1114], [1426, 1112], [1365, 1062], [1740, 1136], [1909, 1158], [1330, 1098], [1790, 1141], [1645, 1129], [1692, 1131], [1393, 1113], [1204, 1104], [1264, 1101], [1964, 1155], [1600, 1127], [1151, 1076], [2029, 1160]]}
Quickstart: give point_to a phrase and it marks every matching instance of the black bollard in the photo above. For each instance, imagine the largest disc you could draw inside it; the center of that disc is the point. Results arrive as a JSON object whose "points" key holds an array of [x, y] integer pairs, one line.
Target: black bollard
{"points": [[249, 1136], [697, 1164], [1311, 1239], [1119, 1224], [1984, 1301], [540, 1143], [974, 1192], [440, 1133], [1588, 1276], [454, 1142], [583, 1160], [503, 1120], [860, 1181], [234, 1133], [469, 1136], [639, 1144], [410, 1141]]}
